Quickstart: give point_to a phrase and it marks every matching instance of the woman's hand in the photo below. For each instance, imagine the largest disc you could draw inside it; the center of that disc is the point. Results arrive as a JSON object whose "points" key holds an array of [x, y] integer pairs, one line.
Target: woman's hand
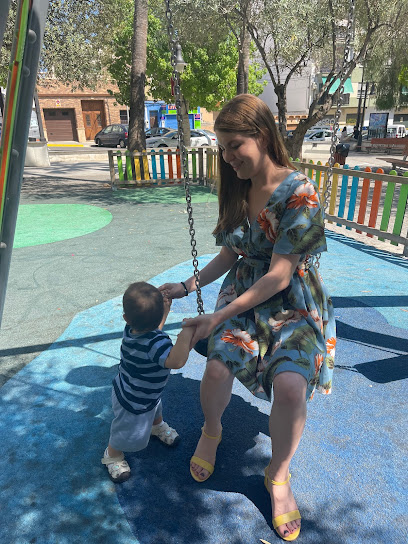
{"points": [[172, 290], [204, 324]]}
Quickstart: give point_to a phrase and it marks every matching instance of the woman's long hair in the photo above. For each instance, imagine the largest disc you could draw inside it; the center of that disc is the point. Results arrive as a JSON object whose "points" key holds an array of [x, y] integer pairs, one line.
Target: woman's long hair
{"points": [[245, 114]]}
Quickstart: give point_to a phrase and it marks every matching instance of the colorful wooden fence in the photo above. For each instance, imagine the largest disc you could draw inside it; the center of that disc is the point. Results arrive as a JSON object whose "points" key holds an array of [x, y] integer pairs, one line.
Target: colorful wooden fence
{"points": [[161, 167], [369, 202]]}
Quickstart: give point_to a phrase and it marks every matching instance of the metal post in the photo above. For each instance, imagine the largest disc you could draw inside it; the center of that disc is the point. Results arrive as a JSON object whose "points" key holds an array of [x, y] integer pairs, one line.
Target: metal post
{"points": [[18, 127], [358, 120], [360, 134]]}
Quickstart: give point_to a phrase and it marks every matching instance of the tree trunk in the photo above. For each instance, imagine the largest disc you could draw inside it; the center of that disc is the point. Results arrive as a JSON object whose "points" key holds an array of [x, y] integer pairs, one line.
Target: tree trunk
{"points": [[280, 91], [243, 61], [294, 144], [137, 138]]}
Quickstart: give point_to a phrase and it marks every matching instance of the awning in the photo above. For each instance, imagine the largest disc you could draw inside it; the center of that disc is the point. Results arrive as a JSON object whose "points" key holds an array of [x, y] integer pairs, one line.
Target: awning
{"points": [[348, 87]]}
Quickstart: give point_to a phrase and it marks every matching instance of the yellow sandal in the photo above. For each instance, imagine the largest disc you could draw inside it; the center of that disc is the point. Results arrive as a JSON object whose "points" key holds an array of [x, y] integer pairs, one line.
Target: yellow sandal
{"points": [[284, 518], [204, 464]]}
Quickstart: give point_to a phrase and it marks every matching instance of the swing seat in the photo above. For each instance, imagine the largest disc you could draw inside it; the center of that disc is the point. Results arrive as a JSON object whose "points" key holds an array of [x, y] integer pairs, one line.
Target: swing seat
{"points": [[202, 347]]}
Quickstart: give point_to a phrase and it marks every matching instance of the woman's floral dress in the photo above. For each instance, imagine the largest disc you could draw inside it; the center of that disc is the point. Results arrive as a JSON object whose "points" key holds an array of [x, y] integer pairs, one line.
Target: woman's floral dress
{"points": [[295, 329]]}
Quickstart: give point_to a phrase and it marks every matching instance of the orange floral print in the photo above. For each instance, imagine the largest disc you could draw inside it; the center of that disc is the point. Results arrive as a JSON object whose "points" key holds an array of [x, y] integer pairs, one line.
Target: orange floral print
{"points": [[269, 224], [239, 251], [304, 195], [240, 339], [318, 361], [331, 346], [305, 313]]}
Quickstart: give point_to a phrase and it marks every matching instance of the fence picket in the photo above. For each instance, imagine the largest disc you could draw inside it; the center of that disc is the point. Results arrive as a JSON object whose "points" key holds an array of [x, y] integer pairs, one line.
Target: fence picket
{"points": [[343, 194], [353, 197], [389, 195], [162, 168], [363, 199], [401, 208], [375, 203], [154, 169]]}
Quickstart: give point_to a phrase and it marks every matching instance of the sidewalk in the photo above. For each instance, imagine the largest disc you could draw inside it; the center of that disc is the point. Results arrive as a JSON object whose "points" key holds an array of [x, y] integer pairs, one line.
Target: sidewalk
{"points": [[62, 329], [89, 151]]}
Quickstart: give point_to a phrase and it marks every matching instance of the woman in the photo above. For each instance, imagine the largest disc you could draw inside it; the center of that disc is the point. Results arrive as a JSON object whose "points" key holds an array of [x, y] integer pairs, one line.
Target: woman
{"points": [[273, 326]]}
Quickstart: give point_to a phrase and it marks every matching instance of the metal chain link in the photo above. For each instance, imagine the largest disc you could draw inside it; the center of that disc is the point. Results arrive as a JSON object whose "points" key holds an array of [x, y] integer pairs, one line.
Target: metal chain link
{"points": [[329, 173], [183, 152]]}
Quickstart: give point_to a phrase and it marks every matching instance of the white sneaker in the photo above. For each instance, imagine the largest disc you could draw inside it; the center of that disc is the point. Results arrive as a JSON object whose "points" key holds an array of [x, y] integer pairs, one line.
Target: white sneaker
{"points": [[165, 434], [118, 468]]}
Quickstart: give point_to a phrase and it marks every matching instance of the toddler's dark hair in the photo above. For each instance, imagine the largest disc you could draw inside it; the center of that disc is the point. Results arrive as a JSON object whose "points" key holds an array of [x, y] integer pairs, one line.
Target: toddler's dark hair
{"points": [[143, 306]]}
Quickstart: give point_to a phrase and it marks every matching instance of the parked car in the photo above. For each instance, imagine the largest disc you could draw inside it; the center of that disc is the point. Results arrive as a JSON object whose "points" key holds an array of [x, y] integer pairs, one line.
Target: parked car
{"points": [[210, 135], [113, 136], [318, 136], [171, 139], [157, 131], [396, 131]]}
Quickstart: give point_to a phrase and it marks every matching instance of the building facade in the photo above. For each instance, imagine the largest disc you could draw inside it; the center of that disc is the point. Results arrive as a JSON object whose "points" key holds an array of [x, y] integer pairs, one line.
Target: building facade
{"points": [[69, 114]]}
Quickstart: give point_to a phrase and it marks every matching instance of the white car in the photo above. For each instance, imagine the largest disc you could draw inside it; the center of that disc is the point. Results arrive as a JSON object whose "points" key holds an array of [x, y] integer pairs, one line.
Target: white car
{"points": [[171, 140], [318, 136]]}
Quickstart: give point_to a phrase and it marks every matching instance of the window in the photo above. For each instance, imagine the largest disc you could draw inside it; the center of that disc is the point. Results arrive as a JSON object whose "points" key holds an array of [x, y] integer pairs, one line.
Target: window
{"points": [[117, 128], [123, 116], [65, 113], [88, 120], [107, 130]]}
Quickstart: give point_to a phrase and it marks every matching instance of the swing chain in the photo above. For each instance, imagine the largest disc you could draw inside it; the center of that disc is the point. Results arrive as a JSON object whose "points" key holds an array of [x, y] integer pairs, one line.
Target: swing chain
{"points": [[172, 34], [347, 44], [328, 178]]}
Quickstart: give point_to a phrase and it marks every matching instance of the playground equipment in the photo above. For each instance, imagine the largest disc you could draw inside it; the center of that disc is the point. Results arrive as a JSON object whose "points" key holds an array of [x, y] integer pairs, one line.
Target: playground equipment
{"points": [[28, 35]]}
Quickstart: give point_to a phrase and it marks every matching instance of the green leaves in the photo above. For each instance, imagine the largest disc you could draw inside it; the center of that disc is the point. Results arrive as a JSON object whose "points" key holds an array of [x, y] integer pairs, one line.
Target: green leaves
{"points": [[309, 241], [301, 339]]}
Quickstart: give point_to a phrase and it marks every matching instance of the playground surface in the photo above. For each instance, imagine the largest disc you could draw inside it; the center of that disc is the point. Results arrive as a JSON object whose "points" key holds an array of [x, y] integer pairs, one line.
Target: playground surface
{"points": [[78, 246]]}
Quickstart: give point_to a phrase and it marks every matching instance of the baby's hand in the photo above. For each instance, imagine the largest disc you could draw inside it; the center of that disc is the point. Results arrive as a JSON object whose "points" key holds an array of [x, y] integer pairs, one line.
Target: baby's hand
{"points": [[167, 303]]}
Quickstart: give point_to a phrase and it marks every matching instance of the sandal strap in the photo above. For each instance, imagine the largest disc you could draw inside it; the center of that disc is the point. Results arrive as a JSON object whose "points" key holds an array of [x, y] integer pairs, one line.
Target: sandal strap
{"points": [[202, 463], [212, 437], [286, 518], [109, 460], [280, 483]]}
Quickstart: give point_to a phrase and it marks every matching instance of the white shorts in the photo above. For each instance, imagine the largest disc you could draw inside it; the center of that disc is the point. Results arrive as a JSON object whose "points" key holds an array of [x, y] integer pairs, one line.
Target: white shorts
{"points": [[131, 432]]}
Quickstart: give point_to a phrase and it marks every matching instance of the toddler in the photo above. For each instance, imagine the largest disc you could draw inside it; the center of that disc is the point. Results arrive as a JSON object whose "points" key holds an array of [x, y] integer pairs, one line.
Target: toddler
{"points": [[146, 357]]}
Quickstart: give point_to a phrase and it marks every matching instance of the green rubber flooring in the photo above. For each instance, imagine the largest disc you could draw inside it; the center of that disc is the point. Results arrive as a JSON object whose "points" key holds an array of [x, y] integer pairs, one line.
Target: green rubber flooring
{"points": [[167, 195], [46, 223]]}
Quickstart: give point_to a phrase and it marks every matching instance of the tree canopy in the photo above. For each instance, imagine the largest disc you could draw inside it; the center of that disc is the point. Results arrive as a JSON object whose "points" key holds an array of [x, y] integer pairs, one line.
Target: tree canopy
{"points": [[208, 80], [76, 40]]}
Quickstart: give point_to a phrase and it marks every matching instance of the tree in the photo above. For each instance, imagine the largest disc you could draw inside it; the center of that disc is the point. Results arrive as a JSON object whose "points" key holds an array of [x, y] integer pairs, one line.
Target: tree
{"points": [[210, 76], [76, 40], [289, 34], [221, 15], [387, 67], [137, 138]]}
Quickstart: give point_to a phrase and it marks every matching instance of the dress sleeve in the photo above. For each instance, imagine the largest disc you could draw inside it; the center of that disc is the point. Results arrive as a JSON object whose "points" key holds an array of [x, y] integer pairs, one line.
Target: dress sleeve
{"points": [[301, 226], [220, 239]]}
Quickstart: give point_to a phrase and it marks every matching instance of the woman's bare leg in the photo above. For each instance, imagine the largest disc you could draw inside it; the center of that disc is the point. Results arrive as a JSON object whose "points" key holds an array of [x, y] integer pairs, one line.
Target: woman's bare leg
{"points": [[215, 394], [286, 424]]}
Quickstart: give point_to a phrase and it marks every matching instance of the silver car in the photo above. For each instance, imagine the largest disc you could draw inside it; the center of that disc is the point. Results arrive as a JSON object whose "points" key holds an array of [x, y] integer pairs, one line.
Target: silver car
{"points": [[171, 139], [317, 136]]}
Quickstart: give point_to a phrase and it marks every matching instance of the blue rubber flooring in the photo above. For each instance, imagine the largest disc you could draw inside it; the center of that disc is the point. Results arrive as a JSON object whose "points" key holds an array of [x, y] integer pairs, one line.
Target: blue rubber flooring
{"points": [[349, 474]]}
